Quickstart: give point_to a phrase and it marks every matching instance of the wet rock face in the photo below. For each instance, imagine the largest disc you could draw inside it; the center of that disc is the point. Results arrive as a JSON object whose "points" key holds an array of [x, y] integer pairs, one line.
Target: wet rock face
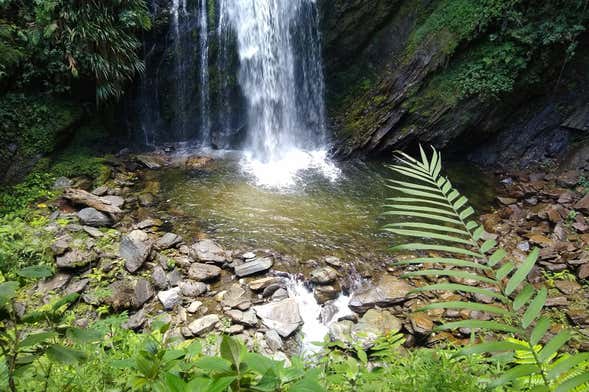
{"points": [[92, 217], [135, 249], [204, 272], [386, 292], [282, 316], [253, 267]]}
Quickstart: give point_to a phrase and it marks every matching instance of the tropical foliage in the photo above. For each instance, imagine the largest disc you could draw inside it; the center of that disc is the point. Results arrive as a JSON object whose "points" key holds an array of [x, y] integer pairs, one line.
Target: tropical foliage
{"points": [[443, 224]]}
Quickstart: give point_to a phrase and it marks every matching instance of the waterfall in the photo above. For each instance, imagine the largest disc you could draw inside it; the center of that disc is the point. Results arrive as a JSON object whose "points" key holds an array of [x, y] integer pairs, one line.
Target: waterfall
{"points": [[204, 74]]}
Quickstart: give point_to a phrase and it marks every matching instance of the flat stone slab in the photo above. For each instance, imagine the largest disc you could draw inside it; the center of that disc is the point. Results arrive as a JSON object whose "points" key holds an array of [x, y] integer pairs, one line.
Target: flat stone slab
{"points": [[254, 267], [282, 316]]}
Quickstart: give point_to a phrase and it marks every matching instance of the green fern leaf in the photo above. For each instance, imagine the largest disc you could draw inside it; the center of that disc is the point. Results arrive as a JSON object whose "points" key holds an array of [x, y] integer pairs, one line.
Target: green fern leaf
{"points": [[490, 347], [514, 374], [428, 226], [565, 364], [440, 248], [573, 383], [523, 297], [444, 261], [551, 348], [496, 257], [452, 273], [535, 307], [460, 287], [479, 324], [522, 272], [539, 330], [466, 305]]}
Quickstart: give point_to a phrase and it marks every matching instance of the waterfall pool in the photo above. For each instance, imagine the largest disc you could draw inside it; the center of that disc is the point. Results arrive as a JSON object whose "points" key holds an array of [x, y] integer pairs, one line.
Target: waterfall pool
{"points": [[314, 216]]}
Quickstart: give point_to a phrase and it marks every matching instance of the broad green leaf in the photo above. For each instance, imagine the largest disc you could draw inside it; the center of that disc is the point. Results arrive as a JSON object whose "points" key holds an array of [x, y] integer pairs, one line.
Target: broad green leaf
{"points": [[572, 383], [258, 363], [551, 348], [220, 384], [490, 347], [496, 257], [466, 305], [83, 335], [460, 287], [412, 208], [269, 382], [515, 373], [443, 261], [307, 384], [35, 272], [36, 338], [523, 297], [65, 355], [480, 324], [174, 383], [565, 364], [535, 307], [454, 273], [7, 291], [539, 330], [213, 364], [522, 272], [441, 248], [430, 235], [231, 350]]}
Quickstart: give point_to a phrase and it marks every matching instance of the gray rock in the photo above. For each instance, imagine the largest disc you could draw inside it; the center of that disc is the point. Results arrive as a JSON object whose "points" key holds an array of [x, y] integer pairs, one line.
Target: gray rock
{"points": [[388, 291], [283, 316], [280, 294], [62, 182], [122, 295], [341, 331], [75, 258], [77, 286], [247, 318], [143, 292], [273, 340], [324, 275], [208, 250], [192, 289], [135, 248], [146, 199], [262, 283], [137, 320], [194, 307], [159, 277], [55, 283], [235, 296], [101, 190], [254, 267], [325, 293], [372, 325], [93, 231], [204, 324], [204, 272], [175, 277], [61, 244], [167, 241], [169, 298], [115, 201], [235, 329], [92, 217], [334, 262]]}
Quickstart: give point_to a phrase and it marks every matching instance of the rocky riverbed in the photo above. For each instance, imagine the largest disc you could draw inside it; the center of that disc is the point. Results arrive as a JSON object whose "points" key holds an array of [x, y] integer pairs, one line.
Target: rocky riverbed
{"points": [[115, 247]]}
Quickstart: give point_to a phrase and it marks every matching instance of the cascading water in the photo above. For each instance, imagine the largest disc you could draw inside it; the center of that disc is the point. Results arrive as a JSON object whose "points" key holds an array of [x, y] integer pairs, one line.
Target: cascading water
{"points": [[204, 74], [281, 78]]}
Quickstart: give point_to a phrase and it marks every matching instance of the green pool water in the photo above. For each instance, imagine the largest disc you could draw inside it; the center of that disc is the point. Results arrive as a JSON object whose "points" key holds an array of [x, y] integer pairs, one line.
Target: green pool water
{"points": [[315, 218]]}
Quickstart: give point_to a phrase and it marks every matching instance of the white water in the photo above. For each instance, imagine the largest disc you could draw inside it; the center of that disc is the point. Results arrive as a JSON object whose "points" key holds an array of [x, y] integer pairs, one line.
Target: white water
{"points": [[281, 78], [314, 329], [204, 73]]}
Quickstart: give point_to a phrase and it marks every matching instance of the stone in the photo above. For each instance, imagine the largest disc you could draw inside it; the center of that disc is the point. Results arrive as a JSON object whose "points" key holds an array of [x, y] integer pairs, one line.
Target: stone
{"points": [[61, 245], [567, 287], [421, 323], [583, 204], [143, 292], [248, 255], [122, 295], [192, 289], [325, 293], [324, 275], [260, 264], [100, 191], [146, 199], [194, 306], [58, 281], [147, 223], [115, 201], [80, 196], [76, 286], [280, 294], [282, 316], [204, 324], [387, 292], [136, 320], [506, 200], [152, 161], [341, 331], [197, 162], [169, 298], [203, 272], [235, 296], [271, 289], [247, 318], [262, 283], [334, 261], [135, 249], [75, 258], [208, 250], [93, 231], [235, 329], [273, 340], [541, 240], [62, 183], [372, 325], [92, 217], [174, 277], [583, 272], [167, 241], [556, 301], [159, 277]]}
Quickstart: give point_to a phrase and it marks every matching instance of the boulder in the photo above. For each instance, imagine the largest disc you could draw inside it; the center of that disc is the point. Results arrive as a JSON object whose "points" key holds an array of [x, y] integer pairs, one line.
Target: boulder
{"points": [[75, 258], [583, 204], [79, 196], [208, 251], [204, 272], [169, 298], [61, 244], [167, 241], [192, 289], [204, 324], [115, 201], [194, 306], [135, 249], [159, 277], [152, 161], [92, 217], [387, 292], [247, 318], [567, 287], [262, 283], [235, 297], [273, 340], [253, 267], [62, 183], [583, 272], [372, 325], [58, 281], [325, 293], [341, 331], [282, 316], [122, 295], [421, 323], [324, 275], [143, 292]]}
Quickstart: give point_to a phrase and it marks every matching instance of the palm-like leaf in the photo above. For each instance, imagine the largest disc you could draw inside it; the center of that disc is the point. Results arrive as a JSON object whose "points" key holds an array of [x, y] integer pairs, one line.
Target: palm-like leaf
{"points": [[441, 222]]}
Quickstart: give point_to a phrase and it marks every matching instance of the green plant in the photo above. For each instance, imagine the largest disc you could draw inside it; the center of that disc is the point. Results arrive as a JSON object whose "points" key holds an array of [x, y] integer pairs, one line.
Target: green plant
{"points": [[27, 338], [442, 219]]}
